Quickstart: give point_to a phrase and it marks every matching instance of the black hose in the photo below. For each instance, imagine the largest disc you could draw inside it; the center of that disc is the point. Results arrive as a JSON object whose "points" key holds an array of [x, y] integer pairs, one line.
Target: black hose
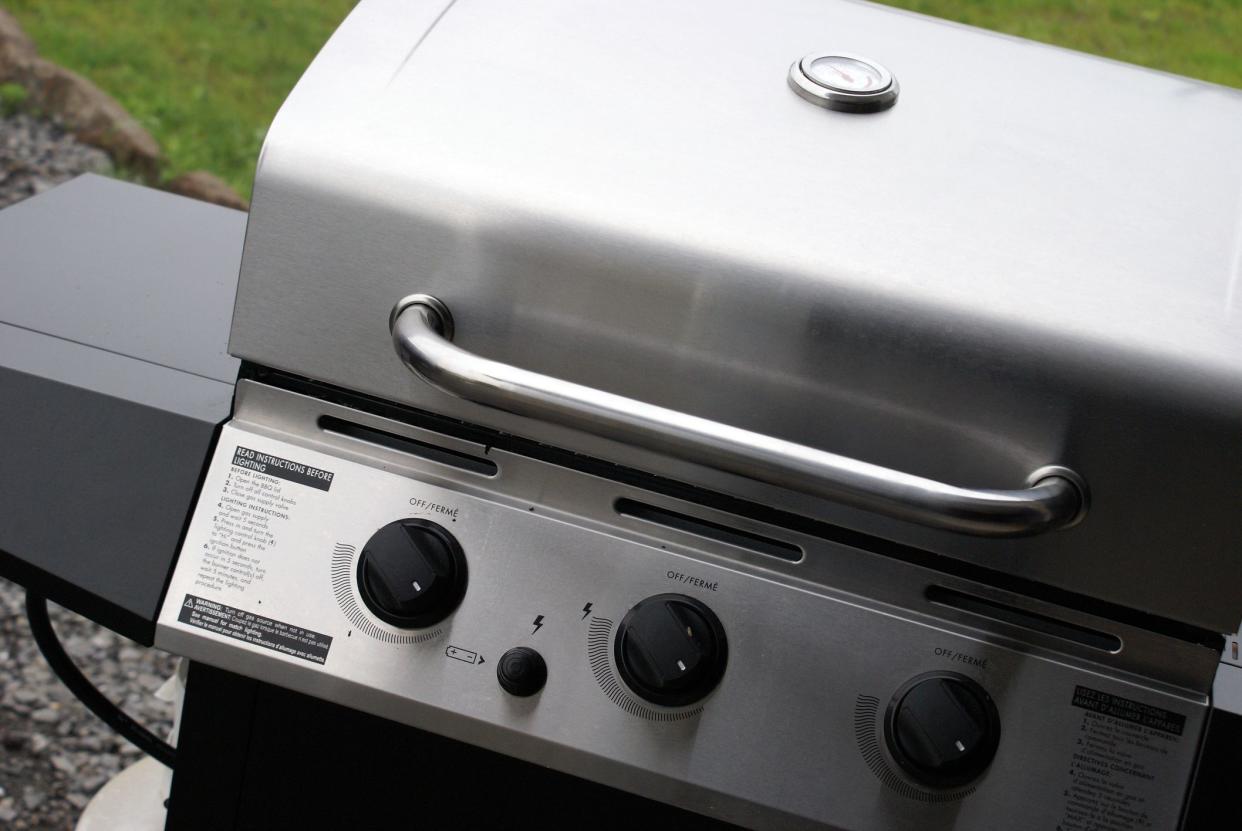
{"points": [[72, 677]]}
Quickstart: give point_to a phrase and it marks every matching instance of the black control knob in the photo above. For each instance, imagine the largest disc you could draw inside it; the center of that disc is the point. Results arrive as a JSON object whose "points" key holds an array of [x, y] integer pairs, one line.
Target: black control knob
{"points": [[412, 573], [943, 729], [521, 671], [671, 649]]}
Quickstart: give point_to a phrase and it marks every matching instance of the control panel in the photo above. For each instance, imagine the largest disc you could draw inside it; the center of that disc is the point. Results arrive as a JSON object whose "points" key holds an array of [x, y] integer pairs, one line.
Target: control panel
{"points": [[566, 641]]}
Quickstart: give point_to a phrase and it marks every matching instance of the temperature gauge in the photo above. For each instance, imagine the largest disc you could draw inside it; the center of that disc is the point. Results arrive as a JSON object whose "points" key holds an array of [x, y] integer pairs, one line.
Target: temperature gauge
{"points": [[840, 81]]}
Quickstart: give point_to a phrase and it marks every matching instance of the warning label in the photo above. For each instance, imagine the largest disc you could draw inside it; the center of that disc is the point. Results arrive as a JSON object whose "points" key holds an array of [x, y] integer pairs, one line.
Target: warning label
{"points": [[282, 468], [255, 629]]}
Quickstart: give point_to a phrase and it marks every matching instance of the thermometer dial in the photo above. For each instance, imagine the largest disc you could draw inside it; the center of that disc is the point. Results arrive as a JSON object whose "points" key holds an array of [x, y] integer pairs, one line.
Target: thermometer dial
{"points": [[845, 82]]}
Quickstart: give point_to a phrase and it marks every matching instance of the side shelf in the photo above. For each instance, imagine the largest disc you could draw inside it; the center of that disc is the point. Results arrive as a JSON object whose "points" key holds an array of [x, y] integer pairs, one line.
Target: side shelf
{"points": [[115, 303]]}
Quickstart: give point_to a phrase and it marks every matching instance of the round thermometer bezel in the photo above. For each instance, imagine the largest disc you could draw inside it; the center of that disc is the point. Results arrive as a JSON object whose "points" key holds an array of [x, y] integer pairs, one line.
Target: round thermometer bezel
{"points": [[804, 83]]}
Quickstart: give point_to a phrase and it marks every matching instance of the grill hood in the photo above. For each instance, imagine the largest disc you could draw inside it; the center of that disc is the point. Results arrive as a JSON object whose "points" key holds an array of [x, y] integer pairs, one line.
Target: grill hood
{"points": [[1032, 259]]}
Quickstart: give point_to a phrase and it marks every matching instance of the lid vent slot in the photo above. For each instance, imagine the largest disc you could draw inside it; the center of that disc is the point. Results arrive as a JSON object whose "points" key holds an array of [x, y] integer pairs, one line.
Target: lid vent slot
{"points": [[404, 444], [710, 530], [1032, 621]]}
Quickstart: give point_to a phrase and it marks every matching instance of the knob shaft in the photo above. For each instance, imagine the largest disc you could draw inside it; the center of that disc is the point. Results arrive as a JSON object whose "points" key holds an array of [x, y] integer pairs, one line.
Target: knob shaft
{"points": [[671, 649], [412, 573], [943, 729]]}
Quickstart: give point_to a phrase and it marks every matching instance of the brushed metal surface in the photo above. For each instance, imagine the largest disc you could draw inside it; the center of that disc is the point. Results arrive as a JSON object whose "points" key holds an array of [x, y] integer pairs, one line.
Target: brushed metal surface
{"points": [[775, 746], [422, 336], [964, 287]]}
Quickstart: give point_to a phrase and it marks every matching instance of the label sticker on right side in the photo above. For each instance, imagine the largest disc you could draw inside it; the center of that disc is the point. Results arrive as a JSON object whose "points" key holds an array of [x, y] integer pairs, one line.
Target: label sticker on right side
{"points": [[1120, 748]]}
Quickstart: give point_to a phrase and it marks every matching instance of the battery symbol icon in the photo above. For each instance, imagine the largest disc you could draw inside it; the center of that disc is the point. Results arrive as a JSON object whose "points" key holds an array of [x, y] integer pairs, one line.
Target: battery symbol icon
{"points": [[459, 654]]}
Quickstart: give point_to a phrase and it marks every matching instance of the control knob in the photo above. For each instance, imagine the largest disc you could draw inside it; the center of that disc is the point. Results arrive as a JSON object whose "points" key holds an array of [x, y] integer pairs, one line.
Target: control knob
{"points": [[943, 729], [412, 573], [670, 649]]}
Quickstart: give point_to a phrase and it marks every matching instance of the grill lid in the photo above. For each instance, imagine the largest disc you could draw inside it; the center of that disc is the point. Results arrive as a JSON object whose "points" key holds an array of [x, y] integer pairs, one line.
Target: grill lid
{"points": [[1030, 259]]}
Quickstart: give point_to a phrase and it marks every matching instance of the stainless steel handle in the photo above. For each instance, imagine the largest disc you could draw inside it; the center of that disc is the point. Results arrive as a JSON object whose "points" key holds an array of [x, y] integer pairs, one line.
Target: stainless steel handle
{"points": [[422, 332]]}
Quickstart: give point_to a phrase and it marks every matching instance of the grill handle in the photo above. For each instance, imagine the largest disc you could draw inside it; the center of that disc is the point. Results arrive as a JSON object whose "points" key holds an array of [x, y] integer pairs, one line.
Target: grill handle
{"points": [[422, 332]]}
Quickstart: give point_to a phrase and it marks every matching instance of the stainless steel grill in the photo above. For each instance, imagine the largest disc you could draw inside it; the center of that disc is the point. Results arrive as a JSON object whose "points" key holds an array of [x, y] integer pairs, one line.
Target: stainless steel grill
{"points": [[813, 415]]}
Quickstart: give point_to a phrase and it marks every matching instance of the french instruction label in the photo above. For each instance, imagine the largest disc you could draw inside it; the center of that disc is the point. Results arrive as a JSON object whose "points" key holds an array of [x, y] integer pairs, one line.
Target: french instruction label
{"points": [[254, 460], [255, 629], [1135, 711], [245, 521], [1121, 748]]}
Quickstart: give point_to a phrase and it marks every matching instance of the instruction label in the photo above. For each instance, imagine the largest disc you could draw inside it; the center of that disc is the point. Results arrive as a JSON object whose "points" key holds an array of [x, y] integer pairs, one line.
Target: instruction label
{"points": [[282, 468], [255, 629], [246, 517], [1121, 748]]}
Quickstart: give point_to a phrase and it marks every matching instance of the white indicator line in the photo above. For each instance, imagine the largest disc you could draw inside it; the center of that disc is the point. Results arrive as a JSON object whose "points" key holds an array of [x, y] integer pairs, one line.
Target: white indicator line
{"points": [[417, 587], [961, 748], [681, 666]]}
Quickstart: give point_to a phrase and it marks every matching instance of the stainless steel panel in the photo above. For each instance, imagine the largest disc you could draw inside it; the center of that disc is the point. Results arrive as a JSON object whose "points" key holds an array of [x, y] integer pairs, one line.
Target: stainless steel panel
{"points": [[777, 745], [1021, 263]]}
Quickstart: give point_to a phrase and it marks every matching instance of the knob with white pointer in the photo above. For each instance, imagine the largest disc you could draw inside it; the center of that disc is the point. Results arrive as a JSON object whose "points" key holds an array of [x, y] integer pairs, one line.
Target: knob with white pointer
{"points": [[671, 649], [412, 573], [943, 729]]}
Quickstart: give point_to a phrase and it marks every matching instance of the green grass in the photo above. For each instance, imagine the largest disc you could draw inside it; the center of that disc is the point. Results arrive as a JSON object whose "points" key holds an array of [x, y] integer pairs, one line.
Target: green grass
{"points": [[1199, 38], [206, 76]]}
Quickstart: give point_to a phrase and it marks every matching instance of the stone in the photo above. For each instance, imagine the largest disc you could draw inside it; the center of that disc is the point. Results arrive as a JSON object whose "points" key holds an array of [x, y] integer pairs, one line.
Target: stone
{"points": [[32, 797], [199, 184], [16, 48], [86, 111], [46, 715], [64, 764], [93, 117]]}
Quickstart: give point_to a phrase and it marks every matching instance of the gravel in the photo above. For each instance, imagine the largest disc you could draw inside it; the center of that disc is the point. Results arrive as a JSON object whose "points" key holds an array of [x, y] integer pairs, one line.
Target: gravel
{"points": [[54, 754], [36, 154]]}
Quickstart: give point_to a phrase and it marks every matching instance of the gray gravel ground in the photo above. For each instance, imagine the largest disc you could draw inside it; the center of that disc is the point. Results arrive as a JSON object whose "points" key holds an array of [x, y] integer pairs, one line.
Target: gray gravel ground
{"points": [[54, 754], [36, 155]]}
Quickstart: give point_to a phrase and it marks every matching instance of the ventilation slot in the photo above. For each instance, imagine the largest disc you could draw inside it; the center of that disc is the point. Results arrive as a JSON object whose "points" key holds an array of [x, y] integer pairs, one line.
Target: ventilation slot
{"points": [[710, 530], [403, 444], [1027, 620]]}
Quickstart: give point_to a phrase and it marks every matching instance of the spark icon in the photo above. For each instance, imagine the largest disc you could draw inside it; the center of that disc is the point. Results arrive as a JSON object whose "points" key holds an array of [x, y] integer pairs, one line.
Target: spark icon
{"points": [[538, 623], [586, 610]]}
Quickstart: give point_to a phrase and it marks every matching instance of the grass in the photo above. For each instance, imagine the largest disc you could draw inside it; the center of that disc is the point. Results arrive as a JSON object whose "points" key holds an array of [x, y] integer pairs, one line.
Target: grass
{"points": [[206, 76], [1199, 38]]}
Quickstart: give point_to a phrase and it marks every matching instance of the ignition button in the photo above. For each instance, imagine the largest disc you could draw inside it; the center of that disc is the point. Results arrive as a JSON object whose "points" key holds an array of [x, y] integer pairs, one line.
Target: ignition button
{"points": [[521, 671]]}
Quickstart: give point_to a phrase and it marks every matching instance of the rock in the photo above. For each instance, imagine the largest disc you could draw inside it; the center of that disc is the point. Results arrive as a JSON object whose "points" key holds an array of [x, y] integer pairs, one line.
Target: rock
{"points": [[8, 810], [32, 797], [39, 742], [86, 111], [78, 800], [46, 715], [199, 184], [24, 695], [16, 47], [93, 117], [64, 764], [92, 783]]}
